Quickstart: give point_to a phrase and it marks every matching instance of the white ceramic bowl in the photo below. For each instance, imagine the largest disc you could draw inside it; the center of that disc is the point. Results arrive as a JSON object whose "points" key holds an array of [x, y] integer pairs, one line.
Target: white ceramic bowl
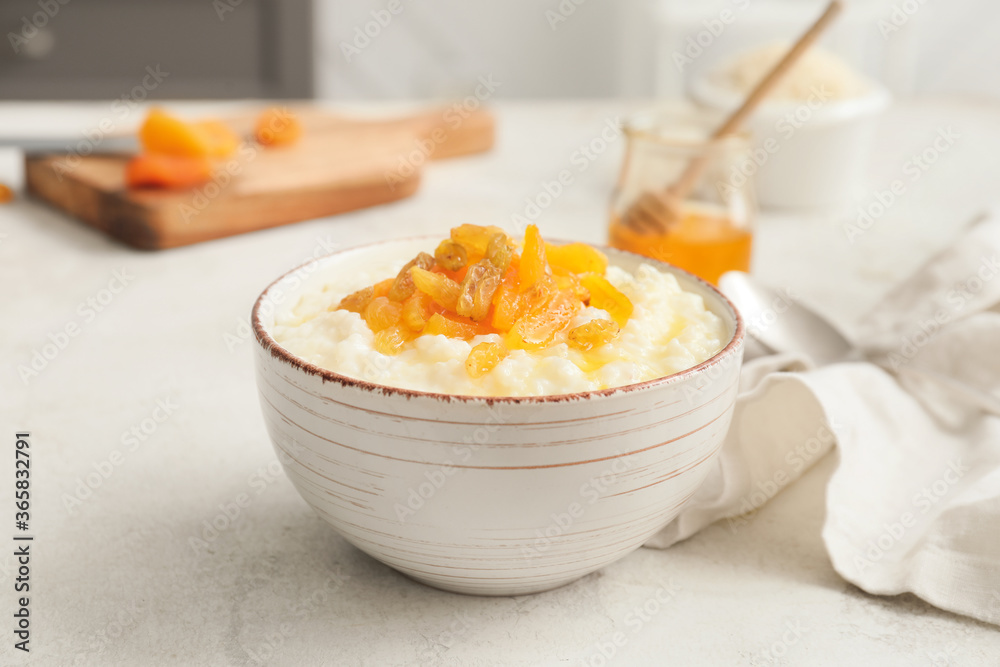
{"points": [[493, 496], [817, 150]]}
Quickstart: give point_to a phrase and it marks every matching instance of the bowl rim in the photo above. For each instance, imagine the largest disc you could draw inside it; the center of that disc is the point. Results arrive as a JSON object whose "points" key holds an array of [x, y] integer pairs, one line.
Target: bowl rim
{"points": [[708, 94], [267, 342]]}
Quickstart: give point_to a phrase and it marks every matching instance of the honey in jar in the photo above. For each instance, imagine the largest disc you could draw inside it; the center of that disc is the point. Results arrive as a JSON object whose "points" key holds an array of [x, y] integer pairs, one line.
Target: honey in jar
{"points": [[708, 229], [707, 245]]}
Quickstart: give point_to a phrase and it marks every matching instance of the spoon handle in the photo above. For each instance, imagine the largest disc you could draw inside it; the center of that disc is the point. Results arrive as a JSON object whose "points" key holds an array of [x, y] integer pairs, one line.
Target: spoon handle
{"points": [[680, 189]]}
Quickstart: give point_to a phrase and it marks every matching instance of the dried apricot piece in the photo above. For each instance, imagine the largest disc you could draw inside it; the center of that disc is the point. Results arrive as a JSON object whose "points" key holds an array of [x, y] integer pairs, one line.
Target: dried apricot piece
{"points": [[382, 287], [483, 358], [168, 135], [576, 258], [382, 313], [167, 171], [403, 287], [438, 324], [533, 265], [356, 302], [221, 139], [475, 238], [508, 305], [442, 289], [570, 282], [500, 251], [593, 334], [606, 296], [164, 134], [480, 284], [538, 297], [277, 127], [536, 330], [393, 339], [457, 276], [416, 311], [451, 256]]}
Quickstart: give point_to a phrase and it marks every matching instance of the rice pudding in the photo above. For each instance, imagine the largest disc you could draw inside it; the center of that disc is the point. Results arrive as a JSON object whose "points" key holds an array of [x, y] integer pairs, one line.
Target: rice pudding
{"points": [[484, 316]]}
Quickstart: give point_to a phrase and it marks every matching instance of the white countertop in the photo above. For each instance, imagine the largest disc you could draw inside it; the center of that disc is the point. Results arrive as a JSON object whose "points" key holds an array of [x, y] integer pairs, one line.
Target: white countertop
{"points": [[116, 580]]}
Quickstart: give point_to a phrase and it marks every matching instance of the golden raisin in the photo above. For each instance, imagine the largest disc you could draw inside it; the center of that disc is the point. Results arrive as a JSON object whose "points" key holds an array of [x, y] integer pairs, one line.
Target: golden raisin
{"points": [[606, 296], [499, 252], [382, 313], [403, 288], [533, 265], [480, 284], [450, 255], [576, 258], [416, 311], [474, 237], [438, 324], [536, 330], [442, 289], [593, 334], [483, 358], [357, 301], [391, 340]]}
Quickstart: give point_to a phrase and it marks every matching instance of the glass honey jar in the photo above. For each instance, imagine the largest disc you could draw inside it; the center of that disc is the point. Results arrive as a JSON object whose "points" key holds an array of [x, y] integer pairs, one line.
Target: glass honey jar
{"points": [[707, 227]]}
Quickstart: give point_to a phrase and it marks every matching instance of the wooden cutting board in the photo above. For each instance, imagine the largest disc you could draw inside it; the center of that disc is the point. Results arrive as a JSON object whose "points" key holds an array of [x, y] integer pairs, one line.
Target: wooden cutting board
{"points": [[340, 164]]}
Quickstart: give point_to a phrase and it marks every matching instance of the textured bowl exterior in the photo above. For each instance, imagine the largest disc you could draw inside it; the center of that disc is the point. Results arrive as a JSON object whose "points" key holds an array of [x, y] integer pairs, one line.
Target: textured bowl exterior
{"points": [[499, 496]]}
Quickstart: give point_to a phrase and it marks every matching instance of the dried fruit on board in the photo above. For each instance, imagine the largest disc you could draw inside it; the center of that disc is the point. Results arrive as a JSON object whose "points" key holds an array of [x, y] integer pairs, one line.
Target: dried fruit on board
{"points": [[167, 171], [164, 134], [277, 127]]}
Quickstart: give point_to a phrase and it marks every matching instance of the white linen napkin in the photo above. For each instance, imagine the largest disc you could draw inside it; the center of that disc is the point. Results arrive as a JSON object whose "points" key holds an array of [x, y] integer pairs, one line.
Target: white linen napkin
{"points": [[914, 504]]}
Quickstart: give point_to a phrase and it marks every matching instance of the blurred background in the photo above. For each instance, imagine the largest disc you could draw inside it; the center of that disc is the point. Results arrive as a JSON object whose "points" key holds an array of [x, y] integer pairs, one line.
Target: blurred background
{"points": [[406, 49]]}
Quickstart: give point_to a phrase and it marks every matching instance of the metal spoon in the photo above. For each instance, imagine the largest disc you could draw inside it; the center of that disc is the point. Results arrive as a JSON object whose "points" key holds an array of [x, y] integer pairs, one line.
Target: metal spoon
{"points": [[782, 324]]}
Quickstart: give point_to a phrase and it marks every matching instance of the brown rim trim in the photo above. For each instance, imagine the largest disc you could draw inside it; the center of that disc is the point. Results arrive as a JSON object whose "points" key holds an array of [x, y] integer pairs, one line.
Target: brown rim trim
{"points": [[459, 466], [438, 441], [270, 345]]}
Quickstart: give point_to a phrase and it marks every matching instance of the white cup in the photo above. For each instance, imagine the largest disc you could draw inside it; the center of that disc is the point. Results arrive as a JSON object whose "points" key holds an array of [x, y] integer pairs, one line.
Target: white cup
{"points": [[809, 154]]}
